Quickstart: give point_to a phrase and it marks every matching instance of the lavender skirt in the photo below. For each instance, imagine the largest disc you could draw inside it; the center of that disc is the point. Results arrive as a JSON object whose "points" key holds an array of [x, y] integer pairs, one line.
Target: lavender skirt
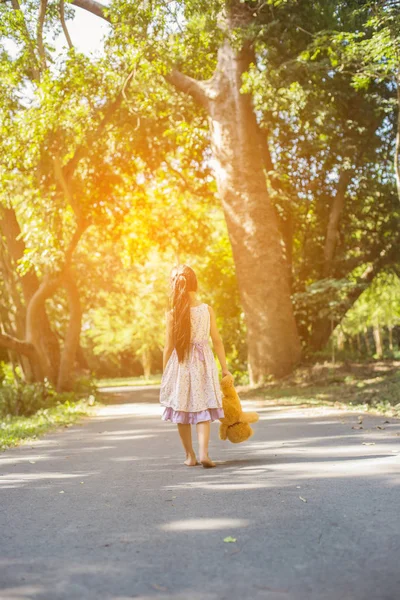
{"points": [[180, 416]]}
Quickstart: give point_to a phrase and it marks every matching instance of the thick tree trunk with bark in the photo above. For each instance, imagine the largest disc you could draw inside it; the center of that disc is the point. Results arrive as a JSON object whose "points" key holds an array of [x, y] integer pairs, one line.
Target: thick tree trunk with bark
{"points": [[273, 343], [272, 338]]}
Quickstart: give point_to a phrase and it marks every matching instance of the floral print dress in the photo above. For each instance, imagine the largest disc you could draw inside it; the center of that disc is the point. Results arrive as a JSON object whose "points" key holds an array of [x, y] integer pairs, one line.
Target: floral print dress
{"points": [[190, 391]]}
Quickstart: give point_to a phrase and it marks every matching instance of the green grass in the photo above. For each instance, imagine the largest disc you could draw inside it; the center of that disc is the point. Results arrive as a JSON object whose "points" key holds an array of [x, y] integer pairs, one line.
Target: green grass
{"points": [[127, 381], [13, 430], [361, 386]]}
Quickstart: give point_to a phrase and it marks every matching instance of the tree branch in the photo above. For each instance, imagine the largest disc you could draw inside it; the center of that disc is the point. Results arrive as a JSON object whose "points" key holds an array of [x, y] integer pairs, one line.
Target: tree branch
{"points": [[19, 346], [39, 32], [35, 70], [81, 151], [334, 220], [73, 244], [60, 176], [63, 23], [188, 85], [182, 82], [92, 6]]}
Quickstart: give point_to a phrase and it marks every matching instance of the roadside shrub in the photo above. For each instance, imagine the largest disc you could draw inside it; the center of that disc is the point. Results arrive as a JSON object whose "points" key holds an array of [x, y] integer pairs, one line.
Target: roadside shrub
{"points": [[18, 398]]}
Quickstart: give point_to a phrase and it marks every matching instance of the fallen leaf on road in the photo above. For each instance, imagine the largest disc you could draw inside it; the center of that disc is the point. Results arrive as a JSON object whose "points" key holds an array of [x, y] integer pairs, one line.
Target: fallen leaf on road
{"points": [[229, 539], [357, 427], [379, 427], [368, 443], [33, 462], [160, 588], [302, 499], [62, 492], [360, 419]]}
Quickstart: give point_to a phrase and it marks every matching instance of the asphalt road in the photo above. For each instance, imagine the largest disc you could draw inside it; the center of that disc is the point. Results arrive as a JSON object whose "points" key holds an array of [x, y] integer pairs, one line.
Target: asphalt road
{"points": [[105, 509]]}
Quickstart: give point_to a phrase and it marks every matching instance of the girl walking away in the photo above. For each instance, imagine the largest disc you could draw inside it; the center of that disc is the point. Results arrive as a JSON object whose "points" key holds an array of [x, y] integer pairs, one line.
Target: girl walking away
{"points": [[190, 389]]}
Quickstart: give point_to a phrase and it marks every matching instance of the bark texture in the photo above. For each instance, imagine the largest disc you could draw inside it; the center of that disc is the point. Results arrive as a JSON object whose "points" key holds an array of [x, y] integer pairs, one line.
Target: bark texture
{"points": [[273, 343], [272, 338]]}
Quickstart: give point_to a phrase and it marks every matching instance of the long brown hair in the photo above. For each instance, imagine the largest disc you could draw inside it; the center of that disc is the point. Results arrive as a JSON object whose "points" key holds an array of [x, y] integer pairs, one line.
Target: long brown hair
{"points": [[182, 280]]}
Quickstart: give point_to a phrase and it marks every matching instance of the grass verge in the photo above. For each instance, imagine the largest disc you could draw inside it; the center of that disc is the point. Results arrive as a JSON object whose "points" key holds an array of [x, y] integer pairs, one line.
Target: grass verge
{"points": [[359, 386], [14, 430], [128, 381]]}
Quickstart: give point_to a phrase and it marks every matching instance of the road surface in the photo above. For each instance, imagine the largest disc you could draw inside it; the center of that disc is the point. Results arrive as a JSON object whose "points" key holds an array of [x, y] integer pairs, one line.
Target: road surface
{"points": [[105, 509]]}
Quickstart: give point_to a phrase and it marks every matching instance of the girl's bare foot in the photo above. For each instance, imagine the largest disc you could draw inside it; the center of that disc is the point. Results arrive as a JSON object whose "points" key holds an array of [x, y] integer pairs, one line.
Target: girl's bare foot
{"points": [[191, 460], [207, 462]]}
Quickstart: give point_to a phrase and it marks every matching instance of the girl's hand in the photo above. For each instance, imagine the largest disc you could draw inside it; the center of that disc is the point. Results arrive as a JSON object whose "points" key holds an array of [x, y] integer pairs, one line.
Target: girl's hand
{"points": [[226, 372]]}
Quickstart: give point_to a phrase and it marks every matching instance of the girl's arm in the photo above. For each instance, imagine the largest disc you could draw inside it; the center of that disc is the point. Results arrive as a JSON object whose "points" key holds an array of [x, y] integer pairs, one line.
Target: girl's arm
{"points": [[169, 344], [217, 342]]}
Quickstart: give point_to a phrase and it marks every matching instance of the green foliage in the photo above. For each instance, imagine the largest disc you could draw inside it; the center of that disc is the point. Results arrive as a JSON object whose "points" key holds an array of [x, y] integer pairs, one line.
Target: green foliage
{"points": [[18, 398], [326, 298], [323, 86], [378, 305], [15, 429]]}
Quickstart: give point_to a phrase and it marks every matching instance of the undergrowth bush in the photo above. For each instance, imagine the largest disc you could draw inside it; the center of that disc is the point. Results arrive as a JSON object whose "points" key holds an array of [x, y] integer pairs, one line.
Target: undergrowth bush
{"points": [[18, 398]]}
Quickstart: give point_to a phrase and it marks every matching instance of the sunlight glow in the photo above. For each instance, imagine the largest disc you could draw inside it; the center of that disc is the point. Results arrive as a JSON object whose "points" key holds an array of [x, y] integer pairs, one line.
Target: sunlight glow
{"points": [[203, 524]]}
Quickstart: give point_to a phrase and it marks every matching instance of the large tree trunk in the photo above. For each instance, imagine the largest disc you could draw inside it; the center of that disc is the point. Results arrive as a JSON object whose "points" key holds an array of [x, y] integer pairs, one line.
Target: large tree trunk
{"points": [[272, 338], [273, 343]]}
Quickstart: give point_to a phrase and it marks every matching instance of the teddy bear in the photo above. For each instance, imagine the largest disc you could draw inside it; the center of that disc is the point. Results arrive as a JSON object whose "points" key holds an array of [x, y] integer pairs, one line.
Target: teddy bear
{"points": [[235, 424]]}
